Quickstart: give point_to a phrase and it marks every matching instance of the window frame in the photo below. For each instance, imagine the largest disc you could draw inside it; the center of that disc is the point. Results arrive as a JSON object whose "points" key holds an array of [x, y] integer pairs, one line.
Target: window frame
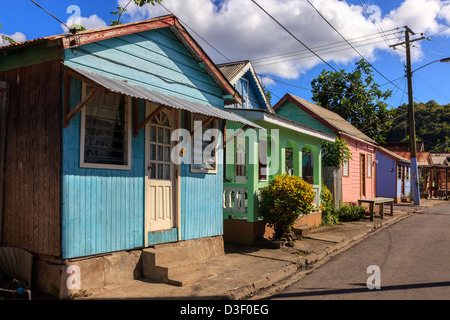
{"points": [[215, 126], [369, 165], [344, 164], [128, 124], [261, 166]]}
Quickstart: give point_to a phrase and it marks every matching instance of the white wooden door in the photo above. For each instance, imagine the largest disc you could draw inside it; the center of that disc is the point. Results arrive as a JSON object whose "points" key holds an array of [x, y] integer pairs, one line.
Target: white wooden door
{"points": [[160, 179]]}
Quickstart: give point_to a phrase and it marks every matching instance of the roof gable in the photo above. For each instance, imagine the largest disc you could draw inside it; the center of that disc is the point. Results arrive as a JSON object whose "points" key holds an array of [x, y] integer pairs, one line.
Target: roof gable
{"points": [[235, 71], [328, 118], [70, 41]]}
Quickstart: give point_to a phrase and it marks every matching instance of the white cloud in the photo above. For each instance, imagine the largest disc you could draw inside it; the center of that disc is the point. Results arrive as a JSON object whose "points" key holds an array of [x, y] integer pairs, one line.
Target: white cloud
{"points": [[91, 22], [17, 37], [242, 31]]}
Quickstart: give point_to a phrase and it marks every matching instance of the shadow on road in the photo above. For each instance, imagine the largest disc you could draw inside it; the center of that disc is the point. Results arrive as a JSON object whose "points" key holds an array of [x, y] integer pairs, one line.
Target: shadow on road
{"points": [[363, 288]]}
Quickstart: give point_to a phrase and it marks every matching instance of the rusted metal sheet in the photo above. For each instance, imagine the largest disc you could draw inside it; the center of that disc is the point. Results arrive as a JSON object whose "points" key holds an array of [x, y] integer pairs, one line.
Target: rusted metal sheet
{"points": [[95, 35], [16, 263]]}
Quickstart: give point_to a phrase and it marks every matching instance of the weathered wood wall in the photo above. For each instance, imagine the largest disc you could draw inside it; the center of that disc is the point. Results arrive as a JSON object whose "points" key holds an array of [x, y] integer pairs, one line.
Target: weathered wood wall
{"points": [[33, 159]]}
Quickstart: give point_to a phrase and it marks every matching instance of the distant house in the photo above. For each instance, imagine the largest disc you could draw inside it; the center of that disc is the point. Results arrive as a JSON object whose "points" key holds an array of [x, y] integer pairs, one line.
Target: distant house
{"points": [[89, 137], [248, 167], [358, 174], [441, 166], [393, 175], [433, 168]]}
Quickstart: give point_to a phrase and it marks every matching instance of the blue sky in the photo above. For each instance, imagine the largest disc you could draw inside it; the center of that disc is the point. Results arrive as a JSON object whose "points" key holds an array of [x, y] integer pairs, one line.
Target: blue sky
{"points": [[239, 30]]}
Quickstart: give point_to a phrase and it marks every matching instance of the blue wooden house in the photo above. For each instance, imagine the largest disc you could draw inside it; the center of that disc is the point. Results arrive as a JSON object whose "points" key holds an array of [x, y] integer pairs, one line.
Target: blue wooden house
{"points": [[392, 175], [94, 121]]}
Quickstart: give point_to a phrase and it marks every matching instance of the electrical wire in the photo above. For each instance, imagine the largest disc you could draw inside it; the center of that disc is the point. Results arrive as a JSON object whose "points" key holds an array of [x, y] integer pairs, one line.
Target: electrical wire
{"points": [[209, 44], [309, 56], [72, 30], [331, 45], [373, 67], [290, 33], [378, 27]]}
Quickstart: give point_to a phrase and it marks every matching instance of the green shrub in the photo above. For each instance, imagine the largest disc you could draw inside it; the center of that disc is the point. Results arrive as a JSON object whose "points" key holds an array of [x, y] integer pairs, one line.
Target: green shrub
{"points": [[330, 215], [349, 212], [283, 200]]}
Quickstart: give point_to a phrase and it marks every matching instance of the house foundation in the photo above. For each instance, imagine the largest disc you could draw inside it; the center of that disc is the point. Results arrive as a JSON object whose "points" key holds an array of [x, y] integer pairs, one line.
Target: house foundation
{"points": [[66, 278]]}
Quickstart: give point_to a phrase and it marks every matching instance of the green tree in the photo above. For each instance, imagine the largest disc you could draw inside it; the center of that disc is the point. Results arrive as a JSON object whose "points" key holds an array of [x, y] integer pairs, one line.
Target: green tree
{"points": [[356, 97], [335, 153], [5, 38], [121, 10], [432, 125]]}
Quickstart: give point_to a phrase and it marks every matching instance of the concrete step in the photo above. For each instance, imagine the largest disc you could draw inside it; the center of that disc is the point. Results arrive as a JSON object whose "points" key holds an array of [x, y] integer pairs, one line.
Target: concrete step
{"points": [[186, 279], [179, 263], [303, 230]]}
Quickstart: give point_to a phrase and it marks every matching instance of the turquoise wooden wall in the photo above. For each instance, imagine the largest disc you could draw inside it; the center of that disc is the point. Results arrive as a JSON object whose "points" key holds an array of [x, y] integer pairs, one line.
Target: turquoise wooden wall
{"points": [[103, 210], [290, 111], [156, 52]]}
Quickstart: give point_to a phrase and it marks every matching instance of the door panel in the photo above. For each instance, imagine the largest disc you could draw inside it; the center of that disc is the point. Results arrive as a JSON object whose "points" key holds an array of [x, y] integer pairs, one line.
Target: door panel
{"points": [[160, 181]]}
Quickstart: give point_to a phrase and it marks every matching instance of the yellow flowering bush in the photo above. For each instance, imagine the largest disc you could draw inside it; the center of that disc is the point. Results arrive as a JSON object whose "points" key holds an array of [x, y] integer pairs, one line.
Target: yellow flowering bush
{"points": [[283, 200]]}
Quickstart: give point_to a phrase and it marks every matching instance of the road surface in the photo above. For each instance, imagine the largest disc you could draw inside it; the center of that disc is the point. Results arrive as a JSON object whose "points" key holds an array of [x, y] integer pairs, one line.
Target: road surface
{"points": [[409, 260]]}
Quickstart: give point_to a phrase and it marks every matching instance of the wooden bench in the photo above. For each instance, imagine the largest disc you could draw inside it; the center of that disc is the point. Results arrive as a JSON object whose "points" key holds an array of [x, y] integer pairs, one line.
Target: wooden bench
{"points": [[380, 201]]}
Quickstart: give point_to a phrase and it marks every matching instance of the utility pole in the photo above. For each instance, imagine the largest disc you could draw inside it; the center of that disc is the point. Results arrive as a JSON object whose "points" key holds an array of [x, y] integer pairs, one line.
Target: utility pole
{"points": [[412, 122]]}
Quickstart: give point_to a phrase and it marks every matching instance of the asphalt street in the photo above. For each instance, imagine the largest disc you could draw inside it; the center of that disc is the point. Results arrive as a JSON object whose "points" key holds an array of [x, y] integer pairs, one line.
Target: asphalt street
{"points": [[409, 260]]}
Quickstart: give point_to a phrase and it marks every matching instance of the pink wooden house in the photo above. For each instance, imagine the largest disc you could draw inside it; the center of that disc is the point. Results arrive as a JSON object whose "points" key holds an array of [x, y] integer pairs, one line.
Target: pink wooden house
{"points": [[358, 174]]}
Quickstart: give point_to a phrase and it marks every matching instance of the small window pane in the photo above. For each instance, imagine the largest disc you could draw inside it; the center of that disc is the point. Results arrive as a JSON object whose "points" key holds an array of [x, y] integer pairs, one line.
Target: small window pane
{"points": [[160, 135], [167, 136], [167, 171], [153, 170], [160, 171], [166, 154], [152, 133], [152, 152]]}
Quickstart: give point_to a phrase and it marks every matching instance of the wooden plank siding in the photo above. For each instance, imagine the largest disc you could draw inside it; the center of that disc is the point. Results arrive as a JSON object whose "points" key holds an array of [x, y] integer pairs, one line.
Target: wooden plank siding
{"points": [[201, 196], [102, 210], [290, 111], [159, 62], [386, 176], [351, 184], [33, 159]]}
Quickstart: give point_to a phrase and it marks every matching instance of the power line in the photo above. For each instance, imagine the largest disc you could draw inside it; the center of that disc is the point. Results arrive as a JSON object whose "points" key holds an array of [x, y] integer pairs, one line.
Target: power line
{"points": [[72, 30], [292, 35], [333, 45], [209, 44], [350, 44], [378, 27], [257, 63]]}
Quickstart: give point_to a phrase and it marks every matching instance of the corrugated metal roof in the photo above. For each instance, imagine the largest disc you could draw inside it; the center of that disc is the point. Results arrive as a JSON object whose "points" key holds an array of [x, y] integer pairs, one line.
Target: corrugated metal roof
{"points": [[121, 87], [334, 120], [394, 155], [232, 69], [442, 160], [264, 115]]}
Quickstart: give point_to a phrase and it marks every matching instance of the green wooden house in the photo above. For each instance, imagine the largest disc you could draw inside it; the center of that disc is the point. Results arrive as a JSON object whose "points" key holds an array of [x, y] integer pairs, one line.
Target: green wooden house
{"points": [[253, 156]]}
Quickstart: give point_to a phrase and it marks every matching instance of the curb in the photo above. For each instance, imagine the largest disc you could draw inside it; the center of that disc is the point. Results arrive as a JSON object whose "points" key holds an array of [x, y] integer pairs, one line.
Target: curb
{"points": [[274, 283]]}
